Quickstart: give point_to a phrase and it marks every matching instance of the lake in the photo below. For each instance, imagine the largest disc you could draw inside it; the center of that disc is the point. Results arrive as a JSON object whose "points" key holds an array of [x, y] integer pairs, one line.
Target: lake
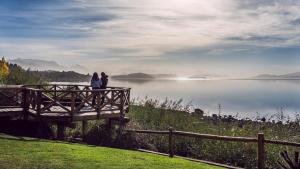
{"points": [[241, 98]]}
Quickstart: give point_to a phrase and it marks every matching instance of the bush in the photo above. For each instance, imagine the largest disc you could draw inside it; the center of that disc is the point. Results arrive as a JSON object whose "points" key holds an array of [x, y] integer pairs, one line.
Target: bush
{"points": [[99, 135]]}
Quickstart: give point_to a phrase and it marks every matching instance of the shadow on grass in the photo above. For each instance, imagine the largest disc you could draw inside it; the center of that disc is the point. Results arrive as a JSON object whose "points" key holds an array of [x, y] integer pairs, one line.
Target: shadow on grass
{"points": [[30, 139]]}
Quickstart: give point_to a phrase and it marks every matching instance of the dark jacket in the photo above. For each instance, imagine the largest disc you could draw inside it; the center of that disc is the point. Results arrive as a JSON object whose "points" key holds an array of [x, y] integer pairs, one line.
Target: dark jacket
{"points": [[104, 81]]}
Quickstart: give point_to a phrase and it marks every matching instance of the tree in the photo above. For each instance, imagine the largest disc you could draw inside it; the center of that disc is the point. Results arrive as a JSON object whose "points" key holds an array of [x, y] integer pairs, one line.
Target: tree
{"points": [[4, 69]]}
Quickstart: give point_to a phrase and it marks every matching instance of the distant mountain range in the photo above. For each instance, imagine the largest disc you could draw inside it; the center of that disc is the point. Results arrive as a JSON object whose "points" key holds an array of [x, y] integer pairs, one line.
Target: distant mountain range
{"points": [[133, 76], [295, 75], [143, 76], [38, 64]]}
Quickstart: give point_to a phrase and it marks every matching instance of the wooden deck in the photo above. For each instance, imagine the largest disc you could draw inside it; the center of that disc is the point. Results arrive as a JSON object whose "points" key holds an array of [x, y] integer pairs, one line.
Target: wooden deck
{"points": [[64, 102], [86, 114]]}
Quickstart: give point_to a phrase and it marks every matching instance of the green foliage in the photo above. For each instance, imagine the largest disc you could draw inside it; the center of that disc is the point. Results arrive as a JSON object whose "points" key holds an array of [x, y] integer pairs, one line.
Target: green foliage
{"points": [[18, 152], [18, 76]]}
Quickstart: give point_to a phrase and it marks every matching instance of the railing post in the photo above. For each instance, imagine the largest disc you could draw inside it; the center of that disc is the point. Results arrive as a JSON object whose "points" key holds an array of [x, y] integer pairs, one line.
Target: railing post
{"points": [[98, 97], [60, 131], [171, 142], [39, 102], [128, 100], [55, 92], [122, 103], [112, 97], [87, 92], [122, 107], [121, 119], [25, 105], [72, 104], [128, 97], [260, 151]]}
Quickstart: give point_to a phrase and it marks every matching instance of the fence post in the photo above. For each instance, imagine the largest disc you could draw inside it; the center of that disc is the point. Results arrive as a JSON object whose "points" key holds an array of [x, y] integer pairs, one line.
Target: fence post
{"points": [[260, 151], [171, 142]]}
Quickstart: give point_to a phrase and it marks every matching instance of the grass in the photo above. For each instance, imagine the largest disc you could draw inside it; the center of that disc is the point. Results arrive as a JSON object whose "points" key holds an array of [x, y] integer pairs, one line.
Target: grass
{"points": [[17, 153]]}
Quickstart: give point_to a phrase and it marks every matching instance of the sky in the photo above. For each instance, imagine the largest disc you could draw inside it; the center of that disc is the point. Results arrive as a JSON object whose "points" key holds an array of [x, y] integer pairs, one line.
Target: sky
{"points": [[188, 37]]}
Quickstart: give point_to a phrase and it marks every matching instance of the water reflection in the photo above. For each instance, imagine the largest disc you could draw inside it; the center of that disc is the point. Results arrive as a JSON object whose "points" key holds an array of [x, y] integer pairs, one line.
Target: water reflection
{"points": [[244, 97], [133, 81]]}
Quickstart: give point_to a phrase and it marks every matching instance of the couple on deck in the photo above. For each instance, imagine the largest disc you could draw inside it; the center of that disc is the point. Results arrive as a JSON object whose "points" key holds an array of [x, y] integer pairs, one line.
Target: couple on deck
{"points": [[99, 83]]}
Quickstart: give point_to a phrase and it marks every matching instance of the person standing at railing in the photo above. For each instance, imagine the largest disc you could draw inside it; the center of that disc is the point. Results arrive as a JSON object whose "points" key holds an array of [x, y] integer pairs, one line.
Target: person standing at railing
{"points": [[95, 84], [104, 81]]}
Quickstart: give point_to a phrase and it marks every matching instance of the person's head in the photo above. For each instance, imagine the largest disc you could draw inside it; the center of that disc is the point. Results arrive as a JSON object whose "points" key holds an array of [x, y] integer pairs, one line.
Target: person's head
{"points": [[95, 76], [103, 74]]}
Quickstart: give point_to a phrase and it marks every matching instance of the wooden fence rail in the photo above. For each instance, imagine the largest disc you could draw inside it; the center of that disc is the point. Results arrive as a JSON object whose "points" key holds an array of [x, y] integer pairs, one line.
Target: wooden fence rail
{"points": [[260, 140]]}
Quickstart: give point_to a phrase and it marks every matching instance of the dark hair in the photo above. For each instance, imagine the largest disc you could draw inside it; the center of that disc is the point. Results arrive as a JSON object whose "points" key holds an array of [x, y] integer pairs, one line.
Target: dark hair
{"points": [[95, 76], [103, 74]]}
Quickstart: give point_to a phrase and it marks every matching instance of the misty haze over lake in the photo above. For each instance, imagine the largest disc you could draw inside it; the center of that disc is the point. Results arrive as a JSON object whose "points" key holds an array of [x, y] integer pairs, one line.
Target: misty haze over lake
{"points": [[245, 98]]}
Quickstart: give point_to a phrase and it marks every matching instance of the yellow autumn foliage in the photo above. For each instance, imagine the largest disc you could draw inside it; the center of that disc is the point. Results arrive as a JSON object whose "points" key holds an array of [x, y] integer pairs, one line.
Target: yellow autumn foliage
{"points": [[4, 69]]}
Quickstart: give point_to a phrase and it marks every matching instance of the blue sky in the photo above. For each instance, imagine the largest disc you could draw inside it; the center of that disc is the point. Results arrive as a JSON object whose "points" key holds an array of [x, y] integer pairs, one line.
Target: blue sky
{"points": [[188, 37]]}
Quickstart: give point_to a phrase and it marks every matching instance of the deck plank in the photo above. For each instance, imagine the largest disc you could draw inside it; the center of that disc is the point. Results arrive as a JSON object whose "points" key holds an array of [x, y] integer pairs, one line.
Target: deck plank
{"points": [[87, 113], [4, 112]]}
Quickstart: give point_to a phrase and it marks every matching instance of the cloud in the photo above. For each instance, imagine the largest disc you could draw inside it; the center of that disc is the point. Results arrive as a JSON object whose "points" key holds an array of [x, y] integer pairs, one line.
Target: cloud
{"points": [[265, 40], [152, 33], [295, 22]]}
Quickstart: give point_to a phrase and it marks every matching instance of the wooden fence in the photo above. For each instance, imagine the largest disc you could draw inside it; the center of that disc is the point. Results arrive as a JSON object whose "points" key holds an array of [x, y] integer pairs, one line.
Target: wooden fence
{"points": [[260, 140]]}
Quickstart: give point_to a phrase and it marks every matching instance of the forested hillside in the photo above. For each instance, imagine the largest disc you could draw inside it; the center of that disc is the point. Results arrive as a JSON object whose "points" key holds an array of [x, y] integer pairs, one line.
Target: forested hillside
{"points": [[64, 76]]}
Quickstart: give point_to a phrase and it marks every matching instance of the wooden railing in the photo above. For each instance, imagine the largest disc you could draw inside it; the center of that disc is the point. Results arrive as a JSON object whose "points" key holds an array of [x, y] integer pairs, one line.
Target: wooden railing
{"points": [[71, 99], [259, 140], [66, 99], [11, 97]]}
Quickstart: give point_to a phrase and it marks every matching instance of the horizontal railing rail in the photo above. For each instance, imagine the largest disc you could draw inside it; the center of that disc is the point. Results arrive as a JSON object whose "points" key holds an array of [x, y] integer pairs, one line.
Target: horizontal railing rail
{"points": [[215, 137], [283, 143], [74, 91], [260, 140], [66, 85]]}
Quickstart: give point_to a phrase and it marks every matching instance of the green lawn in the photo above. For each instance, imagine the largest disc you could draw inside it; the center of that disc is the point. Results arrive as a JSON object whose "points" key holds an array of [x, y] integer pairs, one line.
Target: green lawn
{"points": [[32, 154]]}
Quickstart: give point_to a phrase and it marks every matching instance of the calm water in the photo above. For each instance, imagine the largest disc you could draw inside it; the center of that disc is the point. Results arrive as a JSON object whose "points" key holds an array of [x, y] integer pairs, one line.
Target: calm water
{"points": [[244, 98]]}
